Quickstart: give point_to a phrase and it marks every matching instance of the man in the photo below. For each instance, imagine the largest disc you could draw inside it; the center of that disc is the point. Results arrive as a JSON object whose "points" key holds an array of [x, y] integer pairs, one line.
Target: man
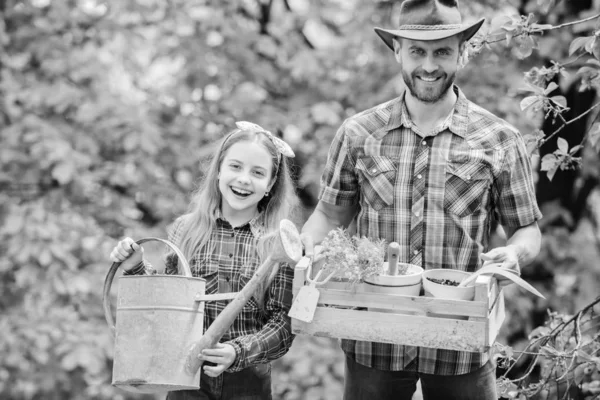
{"points": [[429, 170]]}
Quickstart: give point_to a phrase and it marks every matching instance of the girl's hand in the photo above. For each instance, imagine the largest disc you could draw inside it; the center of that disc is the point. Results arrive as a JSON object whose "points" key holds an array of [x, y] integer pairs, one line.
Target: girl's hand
{"points": [[223, 355], [128, 253]]}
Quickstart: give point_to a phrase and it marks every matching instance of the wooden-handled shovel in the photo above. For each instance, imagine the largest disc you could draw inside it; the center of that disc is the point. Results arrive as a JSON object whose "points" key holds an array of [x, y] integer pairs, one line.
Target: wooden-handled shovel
{"points": [[287, 250]]}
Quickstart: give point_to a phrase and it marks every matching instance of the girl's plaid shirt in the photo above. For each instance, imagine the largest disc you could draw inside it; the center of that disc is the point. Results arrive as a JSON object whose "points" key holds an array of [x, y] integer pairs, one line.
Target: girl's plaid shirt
{"points": [[259, 335], [435, 194]]}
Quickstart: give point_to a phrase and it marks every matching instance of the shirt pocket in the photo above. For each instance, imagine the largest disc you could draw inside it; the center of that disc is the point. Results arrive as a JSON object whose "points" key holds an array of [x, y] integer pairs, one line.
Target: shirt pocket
{"points": [[209, 270], [377, 176], [243, 276], [467, 187]]}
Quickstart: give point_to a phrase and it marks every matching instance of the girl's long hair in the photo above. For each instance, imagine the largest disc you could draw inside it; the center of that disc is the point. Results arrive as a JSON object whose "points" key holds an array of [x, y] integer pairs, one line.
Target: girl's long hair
{"points": [[282, 202]]}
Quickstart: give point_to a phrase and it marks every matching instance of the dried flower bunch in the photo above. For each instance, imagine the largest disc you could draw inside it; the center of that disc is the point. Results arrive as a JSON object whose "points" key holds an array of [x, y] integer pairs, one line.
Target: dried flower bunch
{"points": [[353, 258]]}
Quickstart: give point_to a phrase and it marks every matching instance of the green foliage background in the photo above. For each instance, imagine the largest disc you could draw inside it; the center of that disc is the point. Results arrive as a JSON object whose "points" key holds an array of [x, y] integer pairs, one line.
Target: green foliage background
{"points": [[109, 110]]}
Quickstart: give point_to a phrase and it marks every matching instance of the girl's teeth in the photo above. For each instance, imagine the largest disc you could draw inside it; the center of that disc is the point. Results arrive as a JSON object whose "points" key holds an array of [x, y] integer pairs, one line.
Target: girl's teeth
{"points": [[241, 191]]}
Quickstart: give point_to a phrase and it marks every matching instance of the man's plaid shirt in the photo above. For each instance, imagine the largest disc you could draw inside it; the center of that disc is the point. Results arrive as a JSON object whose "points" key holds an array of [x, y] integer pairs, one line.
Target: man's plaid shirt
{"points": [[435, 194], [258, 336]]}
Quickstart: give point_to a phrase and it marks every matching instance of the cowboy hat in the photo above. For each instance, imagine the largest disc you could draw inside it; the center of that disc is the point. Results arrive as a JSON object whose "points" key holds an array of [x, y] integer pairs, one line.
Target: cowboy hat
{"points": [[429, 20]]}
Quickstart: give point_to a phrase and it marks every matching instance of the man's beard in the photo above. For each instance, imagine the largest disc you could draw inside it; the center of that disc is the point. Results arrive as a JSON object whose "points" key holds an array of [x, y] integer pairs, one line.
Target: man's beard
{"points": [[429, 95]]}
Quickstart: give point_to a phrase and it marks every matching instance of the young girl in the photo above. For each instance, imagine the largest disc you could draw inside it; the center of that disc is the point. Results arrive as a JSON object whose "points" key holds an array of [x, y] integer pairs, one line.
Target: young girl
{"points": [[231, 225]]}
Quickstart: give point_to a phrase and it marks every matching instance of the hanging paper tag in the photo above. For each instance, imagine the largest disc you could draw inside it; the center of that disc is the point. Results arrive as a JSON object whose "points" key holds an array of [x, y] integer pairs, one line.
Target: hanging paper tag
{"points": [[305, 304]]}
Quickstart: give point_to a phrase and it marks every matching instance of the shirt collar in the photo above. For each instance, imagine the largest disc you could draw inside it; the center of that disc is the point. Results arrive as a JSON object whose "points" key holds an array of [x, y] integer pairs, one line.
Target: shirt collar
{"points": [[457, 124], [257, 224]]}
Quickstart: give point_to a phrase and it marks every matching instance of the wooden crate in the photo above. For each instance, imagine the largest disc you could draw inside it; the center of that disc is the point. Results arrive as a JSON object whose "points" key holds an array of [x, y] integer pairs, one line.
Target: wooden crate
{"points": [[408, 320]]}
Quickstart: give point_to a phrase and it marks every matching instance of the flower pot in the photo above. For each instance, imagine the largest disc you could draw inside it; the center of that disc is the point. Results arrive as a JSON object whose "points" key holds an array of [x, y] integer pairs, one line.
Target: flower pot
{"points": [[408, 284], [447, 291], [441, 291]]}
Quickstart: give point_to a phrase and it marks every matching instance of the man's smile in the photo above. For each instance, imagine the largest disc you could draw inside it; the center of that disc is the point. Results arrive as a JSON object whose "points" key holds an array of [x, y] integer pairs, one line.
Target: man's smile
{"points": [[429, 79]]}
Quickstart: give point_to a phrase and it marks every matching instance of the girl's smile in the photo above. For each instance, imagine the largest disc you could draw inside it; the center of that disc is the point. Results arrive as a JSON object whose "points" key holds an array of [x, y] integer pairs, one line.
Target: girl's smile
{"points": [[244, 179], [240, 192]]}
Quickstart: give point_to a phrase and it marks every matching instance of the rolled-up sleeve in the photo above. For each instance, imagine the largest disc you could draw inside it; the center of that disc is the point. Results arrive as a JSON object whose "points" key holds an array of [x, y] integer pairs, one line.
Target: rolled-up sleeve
{"points": [[515, 191], [339, 184]]}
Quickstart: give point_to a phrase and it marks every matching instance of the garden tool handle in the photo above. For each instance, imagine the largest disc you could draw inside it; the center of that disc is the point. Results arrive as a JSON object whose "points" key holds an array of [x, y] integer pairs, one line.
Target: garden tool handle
{"points": [[115, 266], [393, 253], [225, 319]]}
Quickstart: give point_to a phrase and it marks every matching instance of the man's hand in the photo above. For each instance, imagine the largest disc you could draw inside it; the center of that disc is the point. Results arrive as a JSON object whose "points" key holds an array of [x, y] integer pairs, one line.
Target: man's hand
{"points": [[313, 252], [308, 244], [223, 355], [508, 257]]}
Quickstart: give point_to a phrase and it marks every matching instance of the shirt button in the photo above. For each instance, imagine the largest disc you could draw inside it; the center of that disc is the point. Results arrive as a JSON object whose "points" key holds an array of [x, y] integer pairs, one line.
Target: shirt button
{"points": [[419, 176], [415, 252], [424, 143], [230, 255], [417, 213], [232, 234], [468, 177], [374, 170]]}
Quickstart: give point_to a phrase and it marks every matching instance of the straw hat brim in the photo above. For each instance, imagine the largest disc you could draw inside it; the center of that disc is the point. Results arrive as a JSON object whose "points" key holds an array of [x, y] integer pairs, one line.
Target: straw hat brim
{"points": [[387, 35]]}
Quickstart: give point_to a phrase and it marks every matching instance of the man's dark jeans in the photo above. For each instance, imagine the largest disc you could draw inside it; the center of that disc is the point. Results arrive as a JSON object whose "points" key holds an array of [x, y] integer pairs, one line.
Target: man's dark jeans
{"points": [[364, 383], [252, 383]]}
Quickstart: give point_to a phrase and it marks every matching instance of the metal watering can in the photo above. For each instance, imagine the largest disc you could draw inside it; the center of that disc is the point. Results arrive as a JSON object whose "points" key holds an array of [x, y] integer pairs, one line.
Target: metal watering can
{"points": [[157, 320], [159, 329]]}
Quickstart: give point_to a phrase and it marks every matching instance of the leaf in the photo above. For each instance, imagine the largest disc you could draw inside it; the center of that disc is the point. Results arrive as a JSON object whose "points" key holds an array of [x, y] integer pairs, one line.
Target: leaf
{"points": [[246, 95], [267, 46], [13, 223], [563, 145], [318, 34], [596, 48], [525, 47], [63, 172], [560, 100], [594, 136], [80, 285], [585, 357], [326, 113], [593, 62], [550, 351], [498, 23], [528, 102], [575, 149], [590, 44], [550, 163], [17, 61], [550, 88], [504, 387], [83, 356], [532, 141], [45, 257], [538, 332], [545, 5], [578, 43]]}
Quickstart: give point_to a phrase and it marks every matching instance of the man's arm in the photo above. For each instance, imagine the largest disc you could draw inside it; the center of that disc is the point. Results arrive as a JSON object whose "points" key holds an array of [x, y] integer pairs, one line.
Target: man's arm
{"points": [[522, 246], [324, 218], [526, 241]]}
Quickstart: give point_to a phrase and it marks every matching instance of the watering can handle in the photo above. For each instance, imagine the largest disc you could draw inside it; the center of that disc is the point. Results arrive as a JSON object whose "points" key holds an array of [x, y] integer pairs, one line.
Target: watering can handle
{"points": [[115, 266]]}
